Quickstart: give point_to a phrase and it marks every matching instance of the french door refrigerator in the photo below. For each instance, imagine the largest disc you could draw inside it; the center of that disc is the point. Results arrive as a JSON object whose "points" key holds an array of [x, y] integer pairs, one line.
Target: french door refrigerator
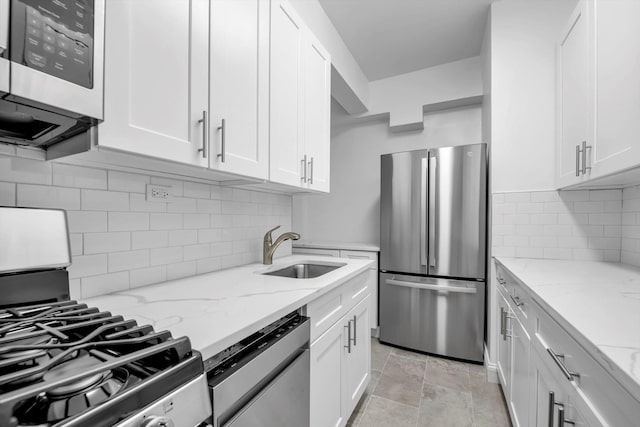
{"points": [[432, 250]]}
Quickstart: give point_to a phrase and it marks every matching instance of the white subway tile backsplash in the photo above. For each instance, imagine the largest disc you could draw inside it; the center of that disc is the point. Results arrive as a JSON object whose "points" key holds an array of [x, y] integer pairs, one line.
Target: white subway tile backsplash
{"points": [[25, 171], [120, 240], [149, 239], [127, 182], [80, 177], [581, 225], [181, 269], [128, 221], [165, 221], [147, 276], [161, 256], [97, 243], [130, 260], [87, 221], [97, 200], [45, 196], [7, 194], [105, 283]]}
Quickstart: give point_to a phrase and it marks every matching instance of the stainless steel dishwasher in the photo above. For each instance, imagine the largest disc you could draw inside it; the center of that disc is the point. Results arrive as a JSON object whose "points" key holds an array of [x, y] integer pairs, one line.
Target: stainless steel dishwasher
{"points": [[263, 381]]}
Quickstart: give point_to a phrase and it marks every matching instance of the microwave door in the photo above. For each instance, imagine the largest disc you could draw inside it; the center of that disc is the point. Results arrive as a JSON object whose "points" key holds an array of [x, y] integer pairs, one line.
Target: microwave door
{"points": [[4, 46]]}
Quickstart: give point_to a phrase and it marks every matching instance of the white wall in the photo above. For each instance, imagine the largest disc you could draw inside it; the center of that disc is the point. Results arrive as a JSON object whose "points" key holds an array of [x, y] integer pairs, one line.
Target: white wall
{"points": [[351, 212], [523, 37]]}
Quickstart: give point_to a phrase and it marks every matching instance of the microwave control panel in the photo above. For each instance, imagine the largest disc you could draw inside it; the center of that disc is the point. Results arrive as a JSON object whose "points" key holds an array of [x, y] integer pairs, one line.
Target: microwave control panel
{"points": [[55, 37]]}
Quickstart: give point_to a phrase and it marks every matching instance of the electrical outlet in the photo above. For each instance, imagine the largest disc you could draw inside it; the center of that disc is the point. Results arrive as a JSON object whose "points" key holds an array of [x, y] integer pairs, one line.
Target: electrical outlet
{"points": [[159, 193]]}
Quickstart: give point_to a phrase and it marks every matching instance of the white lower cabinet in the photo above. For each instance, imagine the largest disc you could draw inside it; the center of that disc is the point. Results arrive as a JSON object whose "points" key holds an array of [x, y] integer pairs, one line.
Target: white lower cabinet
{"points": [[519, 398], [340, 355], [503, 362]]}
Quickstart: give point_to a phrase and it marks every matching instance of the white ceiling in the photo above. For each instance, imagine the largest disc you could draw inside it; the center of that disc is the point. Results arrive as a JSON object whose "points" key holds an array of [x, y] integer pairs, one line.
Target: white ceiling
{"points": [[391, 37]]}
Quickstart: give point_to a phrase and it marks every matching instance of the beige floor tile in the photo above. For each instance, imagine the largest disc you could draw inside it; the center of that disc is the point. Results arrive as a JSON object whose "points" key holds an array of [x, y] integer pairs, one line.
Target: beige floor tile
{"points": [[379, 354], [489, 407], [358, 411], [442, 406], [387, 413], [447, 373], [401, 380], [407, 353]]}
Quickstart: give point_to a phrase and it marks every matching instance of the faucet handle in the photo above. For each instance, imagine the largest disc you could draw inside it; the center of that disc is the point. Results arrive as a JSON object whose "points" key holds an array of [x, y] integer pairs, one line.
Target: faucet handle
{"points": [[267, 236]]}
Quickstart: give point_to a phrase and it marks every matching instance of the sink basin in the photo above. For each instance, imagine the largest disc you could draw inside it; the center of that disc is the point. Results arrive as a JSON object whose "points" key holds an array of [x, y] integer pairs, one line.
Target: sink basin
{"points": [[305, 271]]}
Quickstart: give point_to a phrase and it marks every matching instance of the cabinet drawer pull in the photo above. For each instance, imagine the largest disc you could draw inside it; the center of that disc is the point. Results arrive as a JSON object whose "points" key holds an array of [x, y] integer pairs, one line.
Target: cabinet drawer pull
{"points": [[355, 319], [516, 300], [552, 407], [304, 169], [566, 372], [223, 130], [503, 327], [577, 160], [585, 168], [205, 134], [311, 170], [348, 346]]}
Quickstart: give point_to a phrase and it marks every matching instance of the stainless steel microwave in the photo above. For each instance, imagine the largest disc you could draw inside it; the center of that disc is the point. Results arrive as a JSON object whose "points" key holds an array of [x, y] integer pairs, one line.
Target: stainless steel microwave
{"points": [[51, 73]]}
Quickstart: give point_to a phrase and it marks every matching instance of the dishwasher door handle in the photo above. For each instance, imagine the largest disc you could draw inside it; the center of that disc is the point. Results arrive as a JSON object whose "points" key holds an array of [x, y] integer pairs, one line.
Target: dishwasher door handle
{"points": [[430, 287]]}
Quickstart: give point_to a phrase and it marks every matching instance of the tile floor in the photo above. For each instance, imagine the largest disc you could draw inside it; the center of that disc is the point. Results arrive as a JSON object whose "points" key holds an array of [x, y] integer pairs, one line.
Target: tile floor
{"points": [[410, 389]]}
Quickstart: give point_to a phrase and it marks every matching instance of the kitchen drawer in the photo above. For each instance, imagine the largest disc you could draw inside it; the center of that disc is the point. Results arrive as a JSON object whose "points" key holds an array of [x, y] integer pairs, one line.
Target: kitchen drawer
{"points": [[361, 255], [594, 388], [330, 307], [518, 297], [314, 251]]}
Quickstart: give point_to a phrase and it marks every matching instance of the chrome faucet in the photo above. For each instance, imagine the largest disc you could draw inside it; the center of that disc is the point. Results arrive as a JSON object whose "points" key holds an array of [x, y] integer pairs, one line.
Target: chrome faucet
{"points": [[268, 248]]}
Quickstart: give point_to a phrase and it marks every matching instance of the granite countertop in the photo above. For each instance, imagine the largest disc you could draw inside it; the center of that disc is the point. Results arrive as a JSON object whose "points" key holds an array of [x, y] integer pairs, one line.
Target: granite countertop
{"points": [[216, 310], [598, 303], [348, 246]]}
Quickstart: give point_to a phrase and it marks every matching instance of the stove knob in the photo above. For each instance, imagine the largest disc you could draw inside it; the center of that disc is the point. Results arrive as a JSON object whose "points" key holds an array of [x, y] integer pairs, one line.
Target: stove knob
{"points": [[157, 421]]}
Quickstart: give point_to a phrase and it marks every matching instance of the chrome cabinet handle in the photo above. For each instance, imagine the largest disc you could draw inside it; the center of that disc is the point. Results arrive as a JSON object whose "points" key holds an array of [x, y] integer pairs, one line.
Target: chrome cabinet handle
{"points": [[304, 169], [562, 420], [223, 130], [577, 160], [565, 371], [310, 170], [503, 324], [516, 300], [355, 320], [585, 168], [552, 407], [348, 346], [205, 134], [502, 281]]}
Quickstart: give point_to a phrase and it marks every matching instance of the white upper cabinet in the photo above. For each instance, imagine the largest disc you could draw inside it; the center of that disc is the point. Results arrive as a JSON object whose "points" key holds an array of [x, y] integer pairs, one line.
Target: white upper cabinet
{"points": [[239, 93], [287, 37], [617, 95], [572, 95], [300, 102], [598, 91], [317, 113], [156, 78]]}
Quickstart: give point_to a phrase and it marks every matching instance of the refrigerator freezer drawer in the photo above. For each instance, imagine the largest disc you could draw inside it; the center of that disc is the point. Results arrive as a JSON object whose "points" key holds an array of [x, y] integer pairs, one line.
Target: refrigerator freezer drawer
{"points": [[439, 316]]}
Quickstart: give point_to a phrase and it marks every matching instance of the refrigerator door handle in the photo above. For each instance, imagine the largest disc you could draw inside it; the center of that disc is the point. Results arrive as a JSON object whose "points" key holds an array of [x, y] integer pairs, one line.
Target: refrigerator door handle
{"points": [[423, 212], [429, 287], [433, 211]]}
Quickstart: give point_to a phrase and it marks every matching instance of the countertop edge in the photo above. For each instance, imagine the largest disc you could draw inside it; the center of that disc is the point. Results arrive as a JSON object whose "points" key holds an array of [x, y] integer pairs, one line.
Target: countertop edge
{"points": [[626, 381], [366, 247]]}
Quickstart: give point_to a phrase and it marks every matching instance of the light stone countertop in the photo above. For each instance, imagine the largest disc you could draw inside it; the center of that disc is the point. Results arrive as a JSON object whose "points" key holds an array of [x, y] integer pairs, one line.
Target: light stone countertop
{"points": [[218, 309], [598, 303], [348, 246]]}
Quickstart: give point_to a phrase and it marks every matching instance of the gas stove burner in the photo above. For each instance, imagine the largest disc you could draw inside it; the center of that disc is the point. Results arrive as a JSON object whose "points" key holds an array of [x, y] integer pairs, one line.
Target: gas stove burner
{"points": [[29, 354], [71, 399]]}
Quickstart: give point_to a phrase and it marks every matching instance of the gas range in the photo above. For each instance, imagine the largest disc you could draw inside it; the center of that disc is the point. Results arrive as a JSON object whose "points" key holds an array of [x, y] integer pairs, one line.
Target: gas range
{"points": [[65, 364]]}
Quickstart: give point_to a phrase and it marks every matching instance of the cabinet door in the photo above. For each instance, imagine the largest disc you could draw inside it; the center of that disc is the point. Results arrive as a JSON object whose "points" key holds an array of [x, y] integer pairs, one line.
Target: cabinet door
{"points": [[359, 357], [328, 373], [239, 78], [317, 111], [544, 387], [617, 36], [574, 95], [156, 78], [286, 163], [519, 396], [503, 362]]}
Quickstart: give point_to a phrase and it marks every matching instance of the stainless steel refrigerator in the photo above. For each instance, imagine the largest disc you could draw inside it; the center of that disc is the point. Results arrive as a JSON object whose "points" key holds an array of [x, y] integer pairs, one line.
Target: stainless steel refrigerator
{"points": [[432, 250]]}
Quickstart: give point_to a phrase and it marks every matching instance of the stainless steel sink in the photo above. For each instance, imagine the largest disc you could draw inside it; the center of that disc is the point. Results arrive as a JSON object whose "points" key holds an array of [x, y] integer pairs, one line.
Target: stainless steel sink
{"points": [[305, 271]]}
